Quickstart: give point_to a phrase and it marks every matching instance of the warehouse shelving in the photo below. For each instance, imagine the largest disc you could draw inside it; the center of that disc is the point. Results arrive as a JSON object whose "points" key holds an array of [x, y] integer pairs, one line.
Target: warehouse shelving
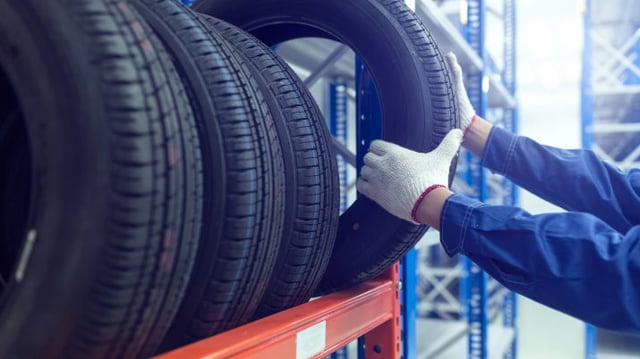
{"points": [[468, 320], [366, 316], [383, 311], [450, 38], [611, 115], [446, 340], [338, 120], [317, 328], [498, 103]]}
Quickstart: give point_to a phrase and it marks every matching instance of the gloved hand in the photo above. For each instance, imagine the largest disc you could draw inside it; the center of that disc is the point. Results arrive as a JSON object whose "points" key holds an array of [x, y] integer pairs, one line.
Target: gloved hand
{"points": [[398, 179], [467, 113]]}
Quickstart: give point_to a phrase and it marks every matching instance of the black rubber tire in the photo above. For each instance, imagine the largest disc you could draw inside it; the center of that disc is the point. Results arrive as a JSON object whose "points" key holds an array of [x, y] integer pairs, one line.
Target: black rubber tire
{"points": [[415, 92], [312, 189], [115, 181], [243, 174]]}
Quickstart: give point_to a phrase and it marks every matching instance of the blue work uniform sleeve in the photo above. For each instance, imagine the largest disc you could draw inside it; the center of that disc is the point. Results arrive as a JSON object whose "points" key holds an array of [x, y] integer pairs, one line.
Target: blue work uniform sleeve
{"points": [[573, 262], [576, 180]]}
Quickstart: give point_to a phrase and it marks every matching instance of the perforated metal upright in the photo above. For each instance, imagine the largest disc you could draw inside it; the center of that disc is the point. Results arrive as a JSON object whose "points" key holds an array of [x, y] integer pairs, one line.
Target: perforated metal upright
{"points": [[510, 120], [610, 93], [475, 292], [369, 127], [491, 87], [337, 121]]}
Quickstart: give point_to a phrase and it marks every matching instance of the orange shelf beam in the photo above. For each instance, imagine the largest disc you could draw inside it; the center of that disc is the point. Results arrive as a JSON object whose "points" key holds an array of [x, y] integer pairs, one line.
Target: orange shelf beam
{"points": [[315, 329]]}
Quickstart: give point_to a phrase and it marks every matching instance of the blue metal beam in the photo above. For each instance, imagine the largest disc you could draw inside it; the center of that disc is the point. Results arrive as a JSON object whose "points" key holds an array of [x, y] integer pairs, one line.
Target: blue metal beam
{"points": [[368, 128], [591, 340], [476, 286], [408, 279], [368, 113]]}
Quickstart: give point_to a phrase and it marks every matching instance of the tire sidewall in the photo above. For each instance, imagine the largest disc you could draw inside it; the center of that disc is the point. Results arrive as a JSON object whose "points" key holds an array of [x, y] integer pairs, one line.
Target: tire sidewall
{"points": [[416, 99], [399, 86], [42, 53]]}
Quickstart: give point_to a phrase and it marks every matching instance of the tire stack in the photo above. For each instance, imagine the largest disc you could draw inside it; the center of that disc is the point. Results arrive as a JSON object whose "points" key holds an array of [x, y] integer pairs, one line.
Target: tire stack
{"points": [[165, 176]]}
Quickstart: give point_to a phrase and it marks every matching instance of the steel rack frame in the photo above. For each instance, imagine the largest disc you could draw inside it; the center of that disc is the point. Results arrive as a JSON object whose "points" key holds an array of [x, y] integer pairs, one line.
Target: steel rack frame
{"points": [[369, 313], [315, 329], [460, 26], [379, 313]]}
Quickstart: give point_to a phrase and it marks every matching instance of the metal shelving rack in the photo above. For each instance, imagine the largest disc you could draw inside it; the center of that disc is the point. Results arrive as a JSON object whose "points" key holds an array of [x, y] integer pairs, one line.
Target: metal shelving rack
{"points": [[368, 314], [460, 26], [380, 315], [611, 115], [315, 329]]}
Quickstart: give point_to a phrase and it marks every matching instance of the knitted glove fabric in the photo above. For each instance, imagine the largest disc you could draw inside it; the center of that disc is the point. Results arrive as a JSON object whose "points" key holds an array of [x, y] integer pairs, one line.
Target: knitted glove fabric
{"points": [[398, 179], [467, 113]]}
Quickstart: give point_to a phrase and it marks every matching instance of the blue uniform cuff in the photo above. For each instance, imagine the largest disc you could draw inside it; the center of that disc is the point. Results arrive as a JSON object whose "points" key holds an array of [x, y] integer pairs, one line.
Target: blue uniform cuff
{"points": [[455, 221], [499, 150]]}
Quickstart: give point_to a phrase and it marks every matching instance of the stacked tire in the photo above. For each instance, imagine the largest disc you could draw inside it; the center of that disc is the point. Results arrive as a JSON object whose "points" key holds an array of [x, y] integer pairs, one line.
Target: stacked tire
{"points": [[165, 176], [413, 87]]}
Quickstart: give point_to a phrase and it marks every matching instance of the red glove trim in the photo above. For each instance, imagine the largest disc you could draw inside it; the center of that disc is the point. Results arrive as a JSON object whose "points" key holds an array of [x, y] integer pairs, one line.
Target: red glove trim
{"points": [[422, 196], [475, 117]]}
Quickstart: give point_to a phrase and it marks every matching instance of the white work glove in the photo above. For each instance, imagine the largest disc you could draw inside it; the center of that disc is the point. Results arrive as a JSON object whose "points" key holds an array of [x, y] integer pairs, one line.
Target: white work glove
{"points": [[467, 113], [398, 179]]}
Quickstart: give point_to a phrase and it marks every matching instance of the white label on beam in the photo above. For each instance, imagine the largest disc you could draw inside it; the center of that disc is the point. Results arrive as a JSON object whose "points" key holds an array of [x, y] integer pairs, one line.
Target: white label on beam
{"points": [[311, 341]]}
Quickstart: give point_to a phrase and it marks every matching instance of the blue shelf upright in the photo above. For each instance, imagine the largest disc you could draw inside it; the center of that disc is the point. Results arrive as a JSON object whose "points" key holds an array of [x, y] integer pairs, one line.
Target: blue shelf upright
{"points": [[368, 128], [475, 290], [457, 293], [337, 121]]}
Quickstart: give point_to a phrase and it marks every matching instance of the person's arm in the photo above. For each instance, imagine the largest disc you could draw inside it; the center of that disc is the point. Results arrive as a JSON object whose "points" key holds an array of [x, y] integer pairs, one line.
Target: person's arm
{"points": [[476, 135], [576, 180], [572, 262]]}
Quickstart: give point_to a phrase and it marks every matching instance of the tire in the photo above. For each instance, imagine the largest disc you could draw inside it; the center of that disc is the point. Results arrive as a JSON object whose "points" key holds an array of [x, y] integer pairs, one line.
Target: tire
{"points": [[397, 49], [243, 176], [312, 189], [112, 182]]}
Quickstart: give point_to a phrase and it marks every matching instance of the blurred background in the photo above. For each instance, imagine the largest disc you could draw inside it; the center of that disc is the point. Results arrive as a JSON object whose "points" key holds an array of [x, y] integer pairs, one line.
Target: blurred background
{"points": [[549, 65]]}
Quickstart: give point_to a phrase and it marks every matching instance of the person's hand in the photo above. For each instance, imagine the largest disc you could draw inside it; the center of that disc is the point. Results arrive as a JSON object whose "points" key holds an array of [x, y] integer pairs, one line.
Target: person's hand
{"points": [[467, 113], [398, 179]]}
